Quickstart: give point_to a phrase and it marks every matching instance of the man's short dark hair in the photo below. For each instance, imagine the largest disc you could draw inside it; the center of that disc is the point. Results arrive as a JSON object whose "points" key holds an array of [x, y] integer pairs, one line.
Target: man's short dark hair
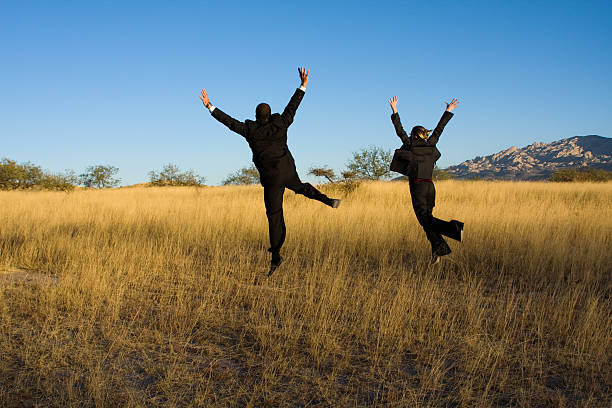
{"points": [[263, 112]]}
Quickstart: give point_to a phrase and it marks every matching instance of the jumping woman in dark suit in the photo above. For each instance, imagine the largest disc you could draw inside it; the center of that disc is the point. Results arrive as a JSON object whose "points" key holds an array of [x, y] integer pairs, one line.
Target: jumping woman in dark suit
{"points": [[421, 154]]}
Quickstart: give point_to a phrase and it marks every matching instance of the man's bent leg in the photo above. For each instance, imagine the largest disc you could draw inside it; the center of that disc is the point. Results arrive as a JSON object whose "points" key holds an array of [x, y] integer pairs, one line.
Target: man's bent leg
{"points": [[308, 190]]}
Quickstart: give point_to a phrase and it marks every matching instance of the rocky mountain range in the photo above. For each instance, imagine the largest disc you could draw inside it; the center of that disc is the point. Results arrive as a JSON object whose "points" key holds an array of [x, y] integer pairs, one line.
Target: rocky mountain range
{"points": [[539, 160]]}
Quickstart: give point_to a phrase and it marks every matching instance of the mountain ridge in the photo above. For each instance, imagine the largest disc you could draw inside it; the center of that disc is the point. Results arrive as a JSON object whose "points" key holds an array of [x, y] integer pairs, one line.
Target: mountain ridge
{"points": [[539, 160]]}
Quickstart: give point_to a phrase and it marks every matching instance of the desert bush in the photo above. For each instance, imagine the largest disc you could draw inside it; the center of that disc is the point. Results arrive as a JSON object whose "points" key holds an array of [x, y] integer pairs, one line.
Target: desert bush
{"points": [[100, 176], [371, 163], [344, 185], [244, 176], [171, 175], [59, 181], [15, 176], [581, 175], [325, 172], [349, 182]]}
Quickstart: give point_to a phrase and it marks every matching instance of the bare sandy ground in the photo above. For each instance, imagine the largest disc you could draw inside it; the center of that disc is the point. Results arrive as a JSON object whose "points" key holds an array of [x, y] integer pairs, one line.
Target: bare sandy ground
{"points": [[13, 276]]}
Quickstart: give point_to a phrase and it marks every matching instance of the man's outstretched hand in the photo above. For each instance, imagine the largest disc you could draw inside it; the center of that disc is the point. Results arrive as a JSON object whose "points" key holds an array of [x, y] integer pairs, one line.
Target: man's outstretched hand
{"points": [[303, 76], [393, 103], [205, 99], [452, 105]]}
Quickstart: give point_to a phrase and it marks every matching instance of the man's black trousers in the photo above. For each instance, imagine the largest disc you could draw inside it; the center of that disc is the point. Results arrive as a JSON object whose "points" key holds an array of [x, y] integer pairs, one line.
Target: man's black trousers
{"points": [[273, 198], [423, 201]]}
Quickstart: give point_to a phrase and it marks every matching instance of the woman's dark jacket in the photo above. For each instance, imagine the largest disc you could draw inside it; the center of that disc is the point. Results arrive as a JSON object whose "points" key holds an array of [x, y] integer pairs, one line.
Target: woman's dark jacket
{"points": [[417, 157]]}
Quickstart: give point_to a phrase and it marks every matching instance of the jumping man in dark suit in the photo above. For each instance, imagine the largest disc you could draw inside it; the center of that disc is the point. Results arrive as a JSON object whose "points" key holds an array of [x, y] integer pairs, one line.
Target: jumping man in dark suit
{"points": [[267, 137], [423, 156]]}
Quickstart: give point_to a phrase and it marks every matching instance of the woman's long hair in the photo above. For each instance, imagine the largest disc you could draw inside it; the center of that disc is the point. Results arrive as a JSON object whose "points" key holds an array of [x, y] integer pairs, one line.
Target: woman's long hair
{"points": [[419, 132]]}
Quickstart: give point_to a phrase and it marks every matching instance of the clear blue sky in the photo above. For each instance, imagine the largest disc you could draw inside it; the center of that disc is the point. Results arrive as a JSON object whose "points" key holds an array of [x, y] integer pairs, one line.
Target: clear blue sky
{"points": [[113, 82]]}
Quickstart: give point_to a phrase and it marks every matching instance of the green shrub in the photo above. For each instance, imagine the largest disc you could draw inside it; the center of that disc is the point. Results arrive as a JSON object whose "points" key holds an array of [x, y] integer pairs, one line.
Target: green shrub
{"points": [[246, 175], [585, 174], [15, 176], [100, 176], [370, 163], [325, 172], [171, 175], [58, 181]]}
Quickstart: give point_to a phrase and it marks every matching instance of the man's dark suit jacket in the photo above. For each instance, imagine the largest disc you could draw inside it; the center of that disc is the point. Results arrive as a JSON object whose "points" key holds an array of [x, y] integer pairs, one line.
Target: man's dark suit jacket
{"points": [[423, 153], [268, 140]]}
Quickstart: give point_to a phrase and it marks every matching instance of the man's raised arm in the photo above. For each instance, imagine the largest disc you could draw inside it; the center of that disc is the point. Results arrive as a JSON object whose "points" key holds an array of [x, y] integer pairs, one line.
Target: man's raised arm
{"points": [[446, 116], [233, 124], [397, 123], [293, 104]]}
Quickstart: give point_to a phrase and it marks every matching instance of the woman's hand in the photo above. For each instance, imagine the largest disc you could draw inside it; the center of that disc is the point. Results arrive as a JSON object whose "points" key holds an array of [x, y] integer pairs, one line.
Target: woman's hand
{"points": [[452, 105], [393, 103]]}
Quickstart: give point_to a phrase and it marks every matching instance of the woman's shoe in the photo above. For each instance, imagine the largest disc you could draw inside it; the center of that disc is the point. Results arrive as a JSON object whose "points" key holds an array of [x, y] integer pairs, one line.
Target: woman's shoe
{"points": [[459, 227]]}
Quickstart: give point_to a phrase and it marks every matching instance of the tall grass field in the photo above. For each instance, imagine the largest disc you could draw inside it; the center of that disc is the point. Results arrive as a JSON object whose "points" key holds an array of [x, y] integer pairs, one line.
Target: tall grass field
{"points": [[158, 297]]}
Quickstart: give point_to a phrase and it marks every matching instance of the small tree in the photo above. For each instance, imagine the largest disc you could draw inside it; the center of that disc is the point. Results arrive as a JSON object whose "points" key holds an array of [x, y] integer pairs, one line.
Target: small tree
{"points": [[28, 176], [59, 181], [13, 175], [100, 176], [349, 175], [326, 172], [371, 163], [246, 175], [171, 175]]}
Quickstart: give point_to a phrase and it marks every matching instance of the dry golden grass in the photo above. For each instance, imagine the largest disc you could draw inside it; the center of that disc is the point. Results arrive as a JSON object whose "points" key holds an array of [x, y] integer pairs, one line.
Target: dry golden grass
{"points": [[155, 302]]}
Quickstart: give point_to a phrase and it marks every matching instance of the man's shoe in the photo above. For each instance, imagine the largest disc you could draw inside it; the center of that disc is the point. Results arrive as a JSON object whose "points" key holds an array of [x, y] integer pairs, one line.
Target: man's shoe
{"points": [[335, 203], [459, 226], [275, 264], [435, 259]]}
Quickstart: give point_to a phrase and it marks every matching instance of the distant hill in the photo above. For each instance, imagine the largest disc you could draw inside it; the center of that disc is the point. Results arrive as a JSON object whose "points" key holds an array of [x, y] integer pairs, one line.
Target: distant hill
{"points": [[539, 160]]}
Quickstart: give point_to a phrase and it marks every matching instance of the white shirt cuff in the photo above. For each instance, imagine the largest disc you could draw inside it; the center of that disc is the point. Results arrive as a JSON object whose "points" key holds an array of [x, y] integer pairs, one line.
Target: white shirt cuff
{"points": [[303, 88], [211, 108]]}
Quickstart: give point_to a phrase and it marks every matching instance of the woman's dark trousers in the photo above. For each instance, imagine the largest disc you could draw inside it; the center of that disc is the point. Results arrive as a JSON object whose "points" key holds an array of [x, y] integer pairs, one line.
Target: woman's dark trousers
{"points": [[423, 201], [273, 198]]}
